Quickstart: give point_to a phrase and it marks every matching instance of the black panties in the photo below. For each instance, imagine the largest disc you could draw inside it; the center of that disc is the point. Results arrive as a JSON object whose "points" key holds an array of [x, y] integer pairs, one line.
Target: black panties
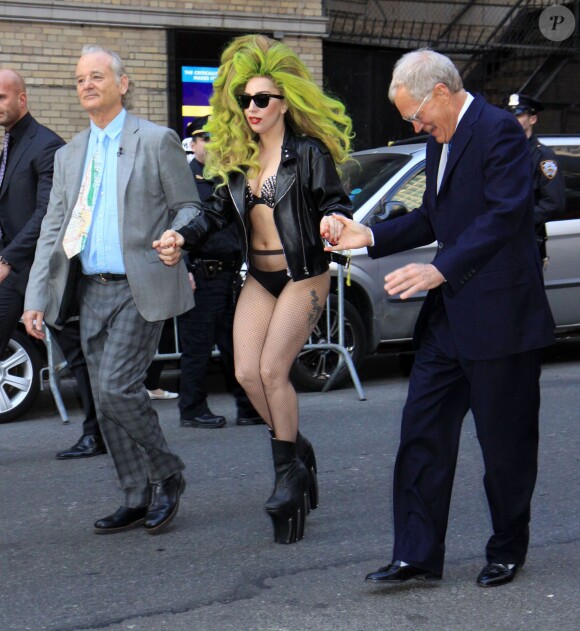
{"points": [[273, 282]]}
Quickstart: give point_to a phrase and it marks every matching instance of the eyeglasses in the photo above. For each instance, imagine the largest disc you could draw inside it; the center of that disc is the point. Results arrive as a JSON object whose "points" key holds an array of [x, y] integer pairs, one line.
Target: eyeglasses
{"points": [[416, 118], [260, 100]]}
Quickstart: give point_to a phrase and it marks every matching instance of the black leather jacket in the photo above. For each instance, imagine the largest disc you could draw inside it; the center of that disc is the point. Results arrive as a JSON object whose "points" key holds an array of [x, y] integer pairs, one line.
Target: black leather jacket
{"points": [[307, 188]]}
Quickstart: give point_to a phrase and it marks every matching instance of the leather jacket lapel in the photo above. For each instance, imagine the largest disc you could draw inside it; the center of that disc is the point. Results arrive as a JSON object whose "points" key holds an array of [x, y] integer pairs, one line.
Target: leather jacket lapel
{"points": [[237, 187], [287, 170]]}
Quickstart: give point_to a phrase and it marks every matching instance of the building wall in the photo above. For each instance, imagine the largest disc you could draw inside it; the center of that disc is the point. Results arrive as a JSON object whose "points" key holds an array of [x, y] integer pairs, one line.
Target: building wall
{"points": [[46, 45], [46, 55]]}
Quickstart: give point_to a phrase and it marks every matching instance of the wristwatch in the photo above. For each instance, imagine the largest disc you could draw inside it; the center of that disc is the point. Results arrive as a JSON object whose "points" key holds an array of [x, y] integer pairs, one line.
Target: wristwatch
{"points": [[3, 261]]}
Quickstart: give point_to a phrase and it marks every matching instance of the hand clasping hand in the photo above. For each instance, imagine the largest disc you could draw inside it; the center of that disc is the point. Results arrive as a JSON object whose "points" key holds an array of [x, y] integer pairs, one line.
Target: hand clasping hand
{"points": [[169, 247], [349, 236]]}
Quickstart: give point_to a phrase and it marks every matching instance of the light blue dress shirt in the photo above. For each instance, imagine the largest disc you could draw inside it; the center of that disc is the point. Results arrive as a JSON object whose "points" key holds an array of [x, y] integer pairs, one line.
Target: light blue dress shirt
{"points": [[102, 252]]}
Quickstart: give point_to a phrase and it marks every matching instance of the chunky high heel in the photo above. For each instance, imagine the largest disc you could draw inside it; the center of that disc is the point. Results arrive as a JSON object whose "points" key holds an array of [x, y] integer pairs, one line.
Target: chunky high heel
{"points": [[305, 452], [288, 504]]}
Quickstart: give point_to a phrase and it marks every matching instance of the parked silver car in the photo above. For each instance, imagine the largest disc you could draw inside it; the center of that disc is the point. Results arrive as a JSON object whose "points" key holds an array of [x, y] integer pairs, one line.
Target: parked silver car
{"points": [[382, 183], [387, 182]]}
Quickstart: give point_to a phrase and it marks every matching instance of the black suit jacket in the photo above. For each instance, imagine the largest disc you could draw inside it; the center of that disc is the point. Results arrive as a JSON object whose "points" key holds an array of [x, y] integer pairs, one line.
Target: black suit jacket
{"points": [[24, 193], [482, 219]]}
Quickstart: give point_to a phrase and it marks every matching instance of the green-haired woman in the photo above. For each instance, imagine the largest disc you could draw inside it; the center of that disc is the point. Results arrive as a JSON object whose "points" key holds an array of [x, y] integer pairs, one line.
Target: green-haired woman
{"points": [[276, 139]]}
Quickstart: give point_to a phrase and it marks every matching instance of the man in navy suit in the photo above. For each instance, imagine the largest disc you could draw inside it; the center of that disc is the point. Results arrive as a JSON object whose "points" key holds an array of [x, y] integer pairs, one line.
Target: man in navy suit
{"points": [[482, 325], [26, 168]]}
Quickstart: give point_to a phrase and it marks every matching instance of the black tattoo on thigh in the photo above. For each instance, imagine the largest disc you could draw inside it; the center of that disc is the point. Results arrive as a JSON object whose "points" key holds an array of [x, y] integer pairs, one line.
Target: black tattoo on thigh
{"points": [[316, 308]]}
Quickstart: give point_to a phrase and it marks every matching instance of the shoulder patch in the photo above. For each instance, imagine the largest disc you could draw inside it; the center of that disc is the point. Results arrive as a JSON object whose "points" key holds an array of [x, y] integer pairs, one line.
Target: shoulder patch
{"points": [[549, 168]]}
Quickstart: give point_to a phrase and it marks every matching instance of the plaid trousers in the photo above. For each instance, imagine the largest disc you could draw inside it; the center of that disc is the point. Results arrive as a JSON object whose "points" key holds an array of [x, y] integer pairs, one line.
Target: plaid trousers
{"points": [[119, 344]]}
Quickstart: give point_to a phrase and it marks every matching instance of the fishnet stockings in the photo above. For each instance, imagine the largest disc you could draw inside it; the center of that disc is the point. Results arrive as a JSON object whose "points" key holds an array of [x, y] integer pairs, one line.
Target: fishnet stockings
{"points": [[268, 335]]}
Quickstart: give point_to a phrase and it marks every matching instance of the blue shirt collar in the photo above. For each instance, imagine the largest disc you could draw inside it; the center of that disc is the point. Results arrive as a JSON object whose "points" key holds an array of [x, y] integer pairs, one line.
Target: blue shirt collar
{"points": [[114, 128]]}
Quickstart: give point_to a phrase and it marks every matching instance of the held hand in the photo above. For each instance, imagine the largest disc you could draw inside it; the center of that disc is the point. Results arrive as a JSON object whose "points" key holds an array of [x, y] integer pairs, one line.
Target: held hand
{"points": [[330, 229], [33, 323], [349, 236], [169, 247], [412, 278]]}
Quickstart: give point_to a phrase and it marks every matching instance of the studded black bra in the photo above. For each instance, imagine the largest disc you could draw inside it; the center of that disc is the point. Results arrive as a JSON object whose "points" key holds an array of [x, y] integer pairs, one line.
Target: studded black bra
{"points": [[267, 194]]}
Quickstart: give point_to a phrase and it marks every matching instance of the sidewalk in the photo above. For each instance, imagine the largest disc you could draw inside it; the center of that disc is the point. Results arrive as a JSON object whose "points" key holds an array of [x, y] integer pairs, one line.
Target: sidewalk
{"points": [[217, 567]]}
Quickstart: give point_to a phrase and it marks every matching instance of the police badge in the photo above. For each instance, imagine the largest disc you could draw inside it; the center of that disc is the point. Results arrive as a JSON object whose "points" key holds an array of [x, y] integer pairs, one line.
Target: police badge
{"points": [[549, 168]]}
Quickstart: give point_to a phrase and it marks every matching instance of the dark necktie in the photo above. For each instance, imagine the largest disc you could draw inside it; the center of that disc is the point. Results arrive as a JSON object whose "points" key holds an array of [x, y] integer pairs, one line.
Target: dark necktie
{"points": [[3, 163], [4, 156]]}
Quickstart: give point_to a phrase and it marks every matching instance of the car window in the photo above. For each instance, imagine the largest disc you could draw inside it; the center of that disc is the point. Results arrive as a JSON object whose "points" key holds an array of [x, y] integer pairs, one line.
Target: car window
{"points": [[411, 193], [569, 162], [367, 173]]}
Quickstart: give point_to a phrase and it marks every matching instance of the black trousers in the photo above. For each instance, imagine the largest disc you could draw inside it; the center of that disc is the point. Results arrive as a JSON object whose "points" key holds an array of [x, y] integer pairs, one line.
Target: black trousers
{"points": [[11, 307], [68, 339], [209, 322], [504, 396]]}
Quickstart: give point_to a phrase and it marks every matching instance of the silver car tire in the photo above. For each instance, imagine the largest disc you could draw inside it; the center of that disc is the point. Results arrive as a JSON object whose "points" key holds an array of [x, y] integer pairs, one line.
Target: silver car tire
{"points": [[19, 377], [313, 368]]}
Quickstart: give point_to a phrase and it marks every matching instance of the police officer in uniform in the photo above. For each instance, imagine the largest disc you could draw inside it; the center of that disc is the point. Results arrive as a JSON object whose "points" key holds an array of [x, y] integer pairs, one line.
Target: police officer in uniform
{"points": [[216, 281], [549, 189]]}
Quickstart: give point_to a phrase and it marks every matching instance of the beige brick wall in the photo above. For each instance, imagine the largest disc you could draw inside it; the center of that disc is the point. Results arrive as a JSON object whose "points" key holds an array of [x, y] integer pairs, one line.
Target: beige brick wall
{"points": [[46, 55], [46, 52], [274, 7], [310, 51]]}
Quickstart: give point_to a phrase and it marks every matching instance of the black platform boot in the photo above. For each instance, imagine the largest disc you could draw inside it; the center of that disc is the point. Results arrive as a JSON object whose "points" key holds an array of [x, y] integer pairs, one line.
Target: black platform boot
{"points": [[288, 503], [305, 452]]}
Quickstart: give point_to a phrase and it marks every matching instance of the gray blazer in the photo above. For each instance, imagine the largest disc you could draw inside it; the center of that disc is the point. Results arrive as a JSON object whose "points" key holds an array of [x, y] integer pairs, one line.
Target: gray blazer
{"points": [[155, 191]]}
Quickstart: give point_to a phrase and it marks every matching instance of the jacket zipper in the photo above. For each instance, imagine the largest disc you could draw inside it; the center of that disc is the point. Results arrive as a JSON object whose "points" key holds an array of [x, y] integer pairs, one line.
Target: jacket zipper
{"points": [[305, 268], [243, 225], [288, 272]]}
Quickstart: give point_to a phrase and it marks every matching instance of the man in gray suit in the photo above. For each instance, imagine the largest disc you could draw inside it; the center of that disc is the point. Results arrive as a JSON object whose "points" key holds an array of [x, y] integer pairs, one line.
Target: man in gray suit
{"points": [[123, 181]]}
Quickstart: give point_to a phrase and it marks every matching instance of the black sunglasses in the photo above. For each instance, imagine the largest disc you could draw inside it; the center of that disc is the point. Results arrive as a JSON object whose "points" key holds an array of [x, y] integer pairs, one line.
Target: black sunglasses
{"points": [[261, 100]]}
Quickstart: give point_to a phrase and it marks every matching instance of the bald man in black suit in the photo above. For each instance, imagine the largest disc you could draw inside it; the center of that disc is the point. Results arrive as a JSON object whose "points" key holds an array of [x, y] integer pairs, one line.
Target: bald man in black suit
{"points": [[26, 167]]}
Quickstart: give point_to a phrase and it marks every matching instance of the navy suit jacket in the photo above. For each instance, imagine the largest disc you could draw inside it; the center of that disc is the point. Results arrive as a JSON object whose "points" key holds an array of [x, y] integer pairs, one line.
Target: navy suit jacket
{"points": [[24, 194], [482, 219]]}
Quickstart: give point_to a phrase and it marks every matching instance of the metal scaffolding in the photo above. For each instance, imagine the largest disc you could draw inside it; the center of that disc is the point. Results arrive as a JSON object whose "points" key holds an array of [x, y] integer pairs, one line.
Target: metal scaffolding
{"points": [[497, 45]]}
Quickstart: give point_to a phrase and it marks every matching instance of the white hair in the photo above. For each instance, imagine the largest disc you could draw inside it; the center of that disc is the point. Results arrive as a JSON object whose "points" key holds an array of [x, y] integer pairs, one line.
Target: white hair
{"points": [[118, 69], [420, 70]]}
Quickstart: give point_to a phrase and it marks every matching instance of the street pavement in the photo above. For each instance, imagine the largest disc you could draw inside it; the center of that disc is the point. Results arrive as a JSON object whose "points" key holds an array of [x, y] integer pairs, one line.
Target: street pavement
{"points": [[217, 567]]}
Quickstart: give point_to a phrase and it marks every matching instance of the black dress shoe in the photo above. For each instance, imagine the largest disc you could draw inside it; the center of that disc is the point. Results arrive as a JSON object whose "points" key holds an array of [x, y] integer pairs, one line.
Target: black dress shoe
{"points": [[85, 447], [397, 573], [164, 503], [249, 418], [494, 574], [207, 421], [124, 519]]}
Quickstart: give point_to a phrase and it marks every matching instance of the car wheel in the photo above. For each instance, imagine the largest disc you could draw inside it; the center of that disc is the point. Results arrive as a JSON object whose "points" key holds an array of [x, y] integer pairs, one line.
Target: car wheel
{"points": [[19, 377], [314, 367]]}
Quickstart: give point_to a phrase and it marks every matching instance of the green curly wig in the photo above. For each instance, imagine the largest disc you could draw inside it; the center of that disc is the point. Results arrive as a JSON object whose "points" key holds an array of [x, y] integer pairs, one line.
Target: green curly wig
{"points": [[233, 145]]}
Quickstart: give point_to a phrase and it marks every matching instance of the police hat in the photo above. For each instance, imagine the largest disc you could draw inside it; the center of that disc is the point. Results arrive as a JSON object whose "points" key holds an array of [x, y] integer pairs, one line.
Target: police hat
{"points": [[196, 127], [523, 104]]}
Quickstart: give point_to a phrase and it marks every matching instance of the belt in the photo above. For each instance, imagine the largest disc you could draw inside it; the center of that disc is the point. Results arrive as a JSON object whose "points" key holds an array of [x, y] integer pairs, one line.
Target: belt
{"points": [[106, 277], [211, 267]]}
